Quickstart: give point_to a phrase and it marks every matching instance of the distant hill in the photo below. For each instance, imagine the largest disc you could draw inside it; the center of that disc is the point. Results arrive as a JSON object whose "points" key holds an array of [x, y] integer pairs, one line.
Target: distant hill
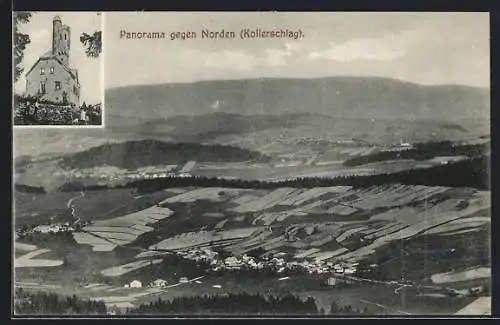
{"points": [[205, 127], [342, 97], [135, 154]]}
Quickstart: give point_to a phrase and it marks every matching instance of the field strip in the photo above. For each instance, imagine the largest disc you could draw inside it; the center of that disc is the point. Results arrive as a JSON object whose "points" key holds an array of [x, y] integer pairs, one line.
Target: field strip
{"points": [[387, 231], [472, 219], [24, 247], [142, 228], [342, 210], [384, 307], [37, 263], [374, 230], [115, 235], [306, 195], [84, 238], [451, 226], [191, 239], [104, 248], [129, 267], [125, 230], [480, 306], [348, 233], [105, 235], [32, 254], [477, 273], [209, 193], [306, 253], [266, 202], [35, 285], [412, 230], [324, 255], [245, 199], [460, 232]]}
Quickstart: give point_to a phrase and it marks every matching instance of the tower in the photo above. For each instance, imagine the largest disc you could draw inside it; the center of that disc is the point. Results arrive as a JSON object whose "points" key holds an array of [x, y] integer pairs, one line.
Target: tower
{"points": [[60, 40]]}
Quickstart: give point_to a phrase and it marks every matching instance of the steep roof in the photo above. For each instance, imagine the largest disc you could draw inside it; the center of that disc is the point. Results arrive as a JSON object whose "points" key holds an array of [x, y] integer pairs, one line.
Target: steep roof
{"points": [[48, 56]]}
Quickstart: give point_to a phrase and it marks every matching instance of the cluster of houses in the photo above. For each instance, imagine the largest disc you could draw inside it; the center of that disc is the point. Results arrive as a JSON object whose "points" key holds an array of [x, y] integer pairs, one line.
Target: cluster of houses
{"points": [[52, 228], [116, 174], [276, 263]]}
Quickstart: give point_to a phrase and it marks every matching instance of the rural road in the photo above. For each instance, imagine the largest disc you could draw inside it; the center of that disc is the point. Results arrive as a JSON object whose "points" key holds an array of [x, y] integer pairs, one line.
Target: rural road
{"points": [[70, 205], [176, 285], [70, 201], [395, 283], [384, 307]]}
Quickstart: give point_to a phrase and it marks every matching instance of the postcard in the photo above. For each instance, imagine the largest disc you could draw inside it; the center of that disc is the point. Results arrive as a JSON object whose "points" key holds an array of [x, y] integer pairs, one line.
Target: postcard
{"points": [[251, 164]]}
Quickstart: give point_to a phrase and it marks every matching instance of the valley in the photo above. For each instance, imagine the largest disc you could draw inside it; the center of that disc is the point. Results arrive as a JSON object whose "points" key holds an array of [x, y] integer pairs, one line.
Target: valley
{"points": [[385, 213]]}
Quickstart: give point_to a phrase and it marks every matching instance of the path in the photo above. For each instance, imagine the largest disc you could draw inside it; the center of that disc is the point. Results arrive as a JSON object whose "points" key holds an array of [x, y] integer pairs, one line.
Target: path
{"points": [[384, 307]]}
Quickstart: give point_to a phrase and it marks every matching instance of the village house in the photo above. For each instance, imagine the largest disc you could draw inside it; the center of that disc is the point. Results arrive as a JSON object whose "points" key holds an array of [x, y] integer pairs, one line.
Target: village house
{"points": [[159, 283], [51, 77], [135, 284], [232, 262]]}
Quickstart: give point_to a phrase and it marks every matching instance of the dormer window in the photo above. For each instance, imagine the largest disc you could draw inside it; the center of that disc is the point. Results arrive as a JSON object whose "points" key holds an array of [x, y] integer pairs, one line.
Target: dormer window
{"points": [[42, 70], [58, 85], [52, 70]]}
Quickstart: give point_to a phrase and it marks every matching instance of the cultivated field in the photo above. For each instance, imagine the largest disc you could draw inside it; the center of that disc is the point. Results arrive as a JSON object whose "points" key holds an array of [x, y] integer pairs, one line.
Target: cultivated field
{"points": [[319, 225], [28, 260]]}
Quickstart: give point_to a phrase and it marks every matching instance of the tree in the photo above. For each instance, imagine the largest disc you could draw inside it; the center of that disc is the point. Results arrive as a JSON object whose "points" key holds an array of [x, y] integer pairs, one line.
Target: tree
{"points": [[20, 41], [92, 44]]}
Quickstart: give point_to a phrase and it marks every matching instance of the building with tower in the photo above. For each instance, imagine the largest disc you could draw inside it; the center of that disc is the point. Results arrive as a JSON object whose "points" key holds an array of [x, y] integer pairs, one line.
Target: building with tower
{"points": [[51, 77]]}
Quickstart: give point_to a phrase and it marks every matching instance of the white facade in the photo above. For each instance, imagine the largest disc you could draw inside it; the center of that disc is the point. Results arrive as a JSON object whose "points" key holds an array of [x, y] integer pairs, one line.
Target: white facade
{"points": [[159, 283], [136, 284]]}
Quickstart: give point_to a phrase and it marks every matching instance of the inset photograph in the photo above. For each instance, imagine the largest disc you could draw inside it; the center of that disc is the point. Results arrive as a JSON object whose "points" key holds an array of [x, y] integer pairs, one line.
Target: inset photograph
{"points": [[58, 69]]}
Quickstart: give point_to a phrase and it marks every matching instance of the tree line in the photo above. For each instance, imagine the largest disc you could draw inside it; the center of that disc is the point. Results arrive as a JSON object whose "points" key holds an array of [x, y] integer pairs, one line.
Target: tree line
{"points": [[43, 303], [240, 304], [472, 172], [422, 151], [29, 189], [49, 303]]}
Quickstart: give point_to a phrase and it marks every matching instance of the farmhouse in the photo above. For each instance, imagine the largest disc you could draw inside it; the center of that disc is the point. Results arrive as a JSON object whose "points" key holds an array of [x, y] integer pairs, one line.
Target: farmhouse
{"points": [[136, 284], [159, 283], [51, 77]]}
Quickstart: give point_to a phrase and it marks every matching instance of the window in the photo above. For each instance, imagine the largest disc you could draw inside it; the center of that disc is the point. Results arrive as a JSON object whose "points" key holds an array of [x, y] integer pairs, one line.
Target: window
{"points": [[65, 36], [52, 70], [60, 36], [58, 85], [42, 70], [42, 87]]}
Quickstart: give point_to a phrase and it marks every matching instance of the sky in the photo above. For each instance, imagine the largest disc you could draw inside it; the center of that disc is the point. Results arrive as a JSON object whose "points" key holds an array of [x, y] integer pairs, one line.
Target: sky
{"points": [[425, 48], [90, 71]]}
